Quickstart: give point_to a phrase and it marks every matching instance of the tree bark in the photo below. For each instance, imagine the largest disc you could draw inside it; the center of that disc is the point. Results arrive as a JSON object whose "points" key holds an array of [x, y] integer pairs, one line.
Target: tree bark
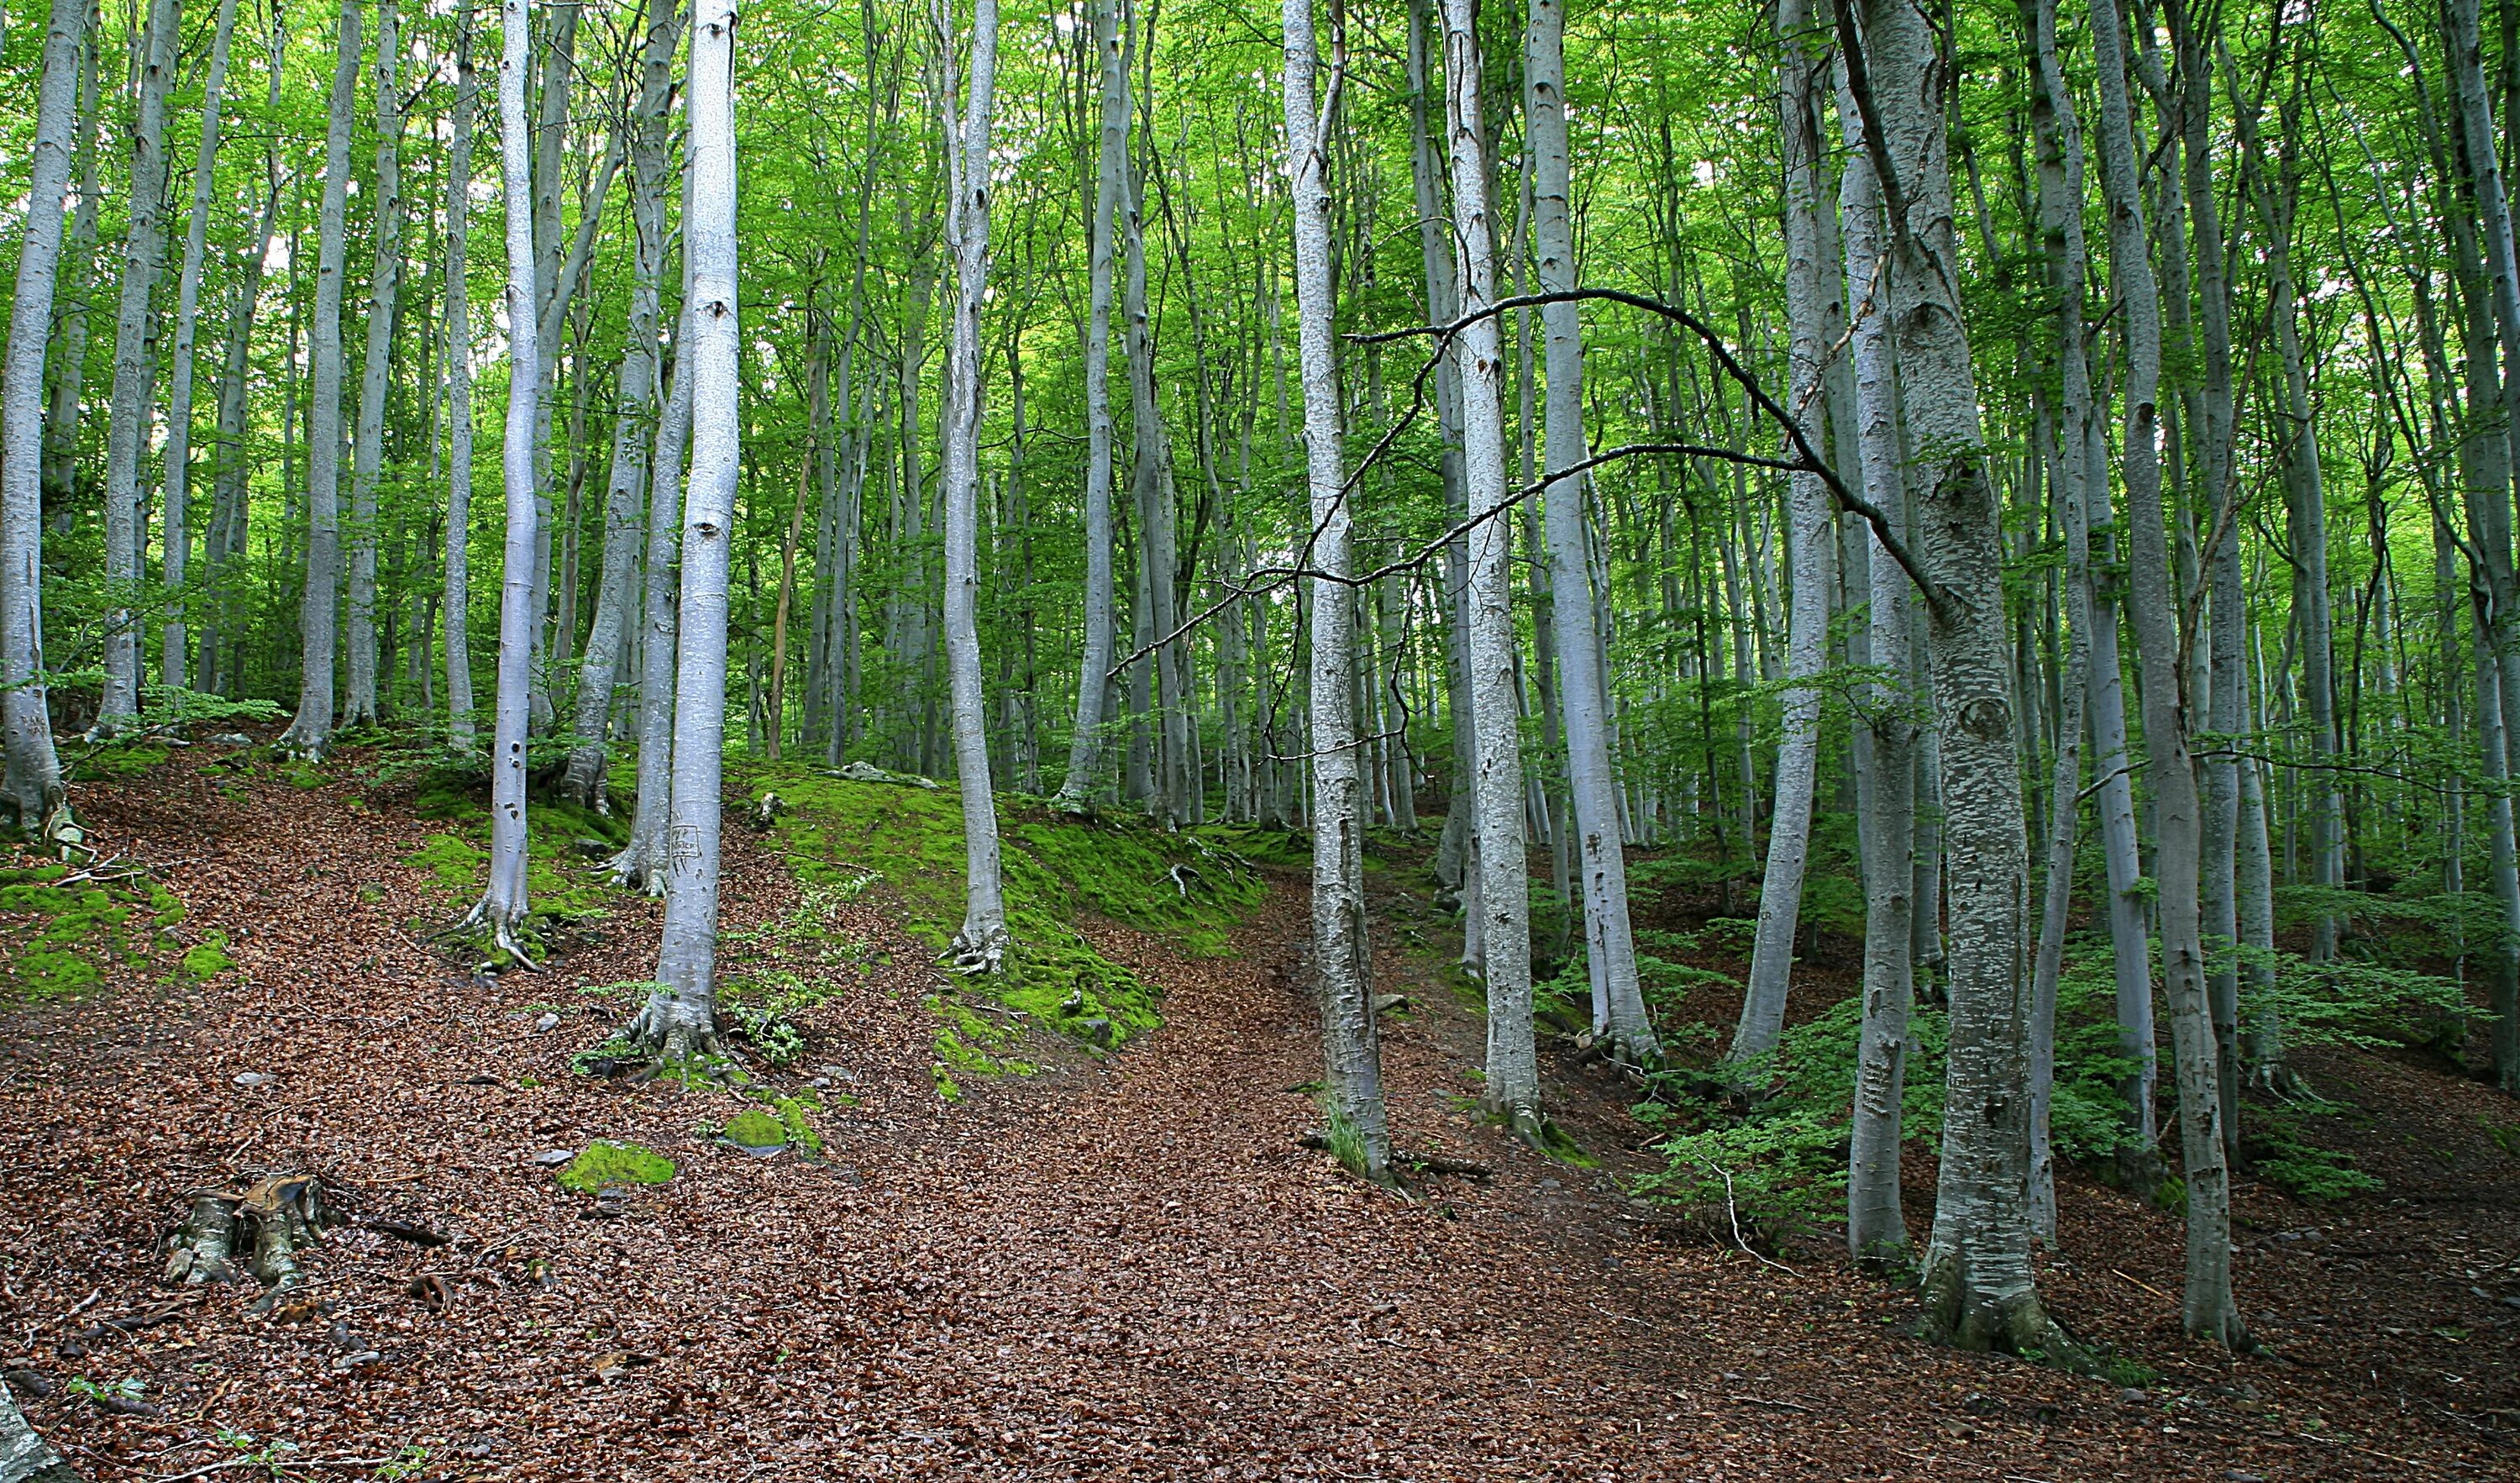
{"points": [[981, 944], [1512, 1094], [33, 774], [680, 1021], [501, 912], [1351, 1052], [1876, 1228], [175, 648], [311, 731], [1584, 701], [135, 373], [457, 604], [1978, 1287], [375, 380], [635, 397], [1780, 892]]}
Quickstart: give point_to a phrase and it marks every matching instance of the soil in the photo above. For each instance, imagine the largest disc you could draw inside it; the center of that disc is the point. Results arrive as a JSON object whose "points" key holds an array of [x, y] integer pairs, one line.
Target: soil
{"points": [[1124, 1267]]}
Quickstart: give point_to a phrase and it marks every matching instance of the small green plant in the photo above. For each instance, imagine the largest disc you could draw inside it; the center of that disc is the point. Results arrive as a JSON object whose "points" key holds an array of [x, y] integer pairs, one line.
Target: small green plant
{"points": [[406, 1464], [127, 1388]]}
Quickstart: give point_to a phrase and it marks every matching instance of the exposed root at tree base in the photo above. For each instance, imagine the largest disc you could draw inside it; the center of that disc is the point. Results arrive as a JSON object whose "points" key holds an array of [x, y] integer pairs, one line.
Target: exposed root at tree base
{"points": [[494, 934], [2015, 1324]]}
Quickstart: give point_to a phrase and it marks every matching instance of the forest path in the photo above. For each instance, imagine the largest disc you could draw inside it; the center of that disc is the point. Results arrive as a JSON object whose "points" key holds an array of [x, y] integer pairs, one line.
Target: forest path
{"points": [[1119, 1268]]}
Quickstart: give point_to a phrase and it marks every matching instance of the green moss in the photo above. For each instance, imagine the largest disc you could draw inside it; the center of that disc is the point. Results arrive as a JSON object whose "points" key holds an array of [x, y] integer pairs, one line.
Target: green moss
{"points": [[57, 940], [208, 959], [124, 761], [757, 1129], [847, 838], [604, 1162], [452, 861]]}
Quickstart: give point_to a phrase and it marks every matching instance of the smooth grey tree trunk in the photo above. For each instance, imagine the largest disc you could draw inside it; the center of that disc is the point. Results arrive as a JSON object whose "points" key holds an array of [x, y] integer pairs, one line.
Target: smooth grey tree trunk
{"points": [[635, 397], [1876, 1227], [1978, 1287], [1599, 855], [2208, 1309], [175, 648], [457, 604], [980, 947], [376, 380], [33, 773], [680, 1021], [501, 912], [310, 733], [1780, 891], [1512, 1094], [1351, 1050], [642, 863], [75, 276], [135, 375], [1111, 161]]}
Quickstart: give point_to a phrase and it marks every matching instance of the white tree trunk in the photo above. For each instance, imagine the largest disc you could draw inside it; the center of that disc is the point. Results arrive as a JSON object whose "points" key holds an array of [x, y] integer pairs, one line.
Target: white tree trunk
{"points": [[317, 617], [135, 377], [681, 1018], [1780, 892], [175, 648], [635, 391], [34, 779], [1092, 682], [2208, 1309], [1513, 1093], [1979, 1289], [1351, 1052], [376, 379], [1599, 856], [980, 947], [457, 604], [502, 909], [1877, 1229]]}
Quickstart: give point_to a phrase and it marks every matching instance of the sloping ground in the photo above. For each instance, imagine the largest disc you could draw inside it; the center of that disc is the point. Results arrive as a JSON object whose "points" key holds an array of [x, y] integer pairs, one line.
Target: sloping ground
{"points": [[1120, 1268]]}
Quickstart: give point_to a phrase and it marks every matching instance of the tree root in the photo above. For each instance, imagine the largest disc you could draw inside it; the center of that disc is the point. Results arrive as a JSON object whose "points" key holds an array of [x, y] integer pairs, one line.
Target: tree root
{"points": [[636, 867], [2013, 1324], [493, 931], [669, 1040], [982, 951], [266, 1224]]}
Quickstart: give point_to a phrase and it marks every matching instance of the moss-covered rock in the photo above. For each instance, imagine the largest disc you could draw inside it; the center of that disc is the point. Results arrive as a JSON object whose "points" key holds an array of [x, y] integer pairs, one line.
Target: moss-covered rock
{"points": [[604, 1163], [757, 1132]]}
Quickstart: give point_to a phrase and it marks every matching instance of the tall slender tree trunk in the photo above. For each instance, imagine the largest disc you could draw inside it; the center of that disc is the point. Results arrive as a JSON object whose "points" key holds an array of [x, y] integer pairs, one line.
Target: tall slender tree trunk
{"points": [[175, 648], [1512, 1094], [1600, 854], [501, 912], [1351, 1052], [635, 397], [2208, 1307], [981, 944], [376, 380], [135, 375], [1093, 683], [1978, 1288], [318, 617], [680, 1021], [1780, 892], [1876, 1228], [457, 604], [74, 279], [33, 774]]}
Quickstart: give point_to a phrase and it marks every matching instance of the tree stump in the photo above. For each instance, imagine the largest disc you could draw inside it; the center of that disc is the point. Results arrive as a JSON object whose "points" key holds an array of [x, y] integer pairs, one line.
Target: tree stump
{"points": [[258, 1229]]}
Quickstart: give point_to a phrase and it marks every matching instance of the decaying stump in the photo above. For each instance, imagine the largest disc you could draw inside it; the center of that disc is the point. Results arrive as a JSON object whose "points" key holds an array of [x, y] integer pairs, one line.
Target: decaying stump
{"points": [[258, 1229]]}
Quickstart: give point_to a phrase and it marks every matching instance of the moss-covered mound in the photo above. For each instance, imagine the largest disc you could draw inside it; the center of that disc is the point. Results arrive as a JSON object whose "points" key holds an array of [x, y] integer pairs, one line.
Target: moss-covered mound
{"points": [[60, 930], [907, 841], [603, 1163]]}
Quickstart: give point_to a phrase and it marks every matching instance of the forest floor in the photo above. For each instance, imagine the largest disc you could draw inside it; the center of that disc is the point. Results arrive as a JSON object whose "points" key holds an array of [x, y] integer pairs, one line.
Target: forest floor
{"points": [[1122, 1267]]}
